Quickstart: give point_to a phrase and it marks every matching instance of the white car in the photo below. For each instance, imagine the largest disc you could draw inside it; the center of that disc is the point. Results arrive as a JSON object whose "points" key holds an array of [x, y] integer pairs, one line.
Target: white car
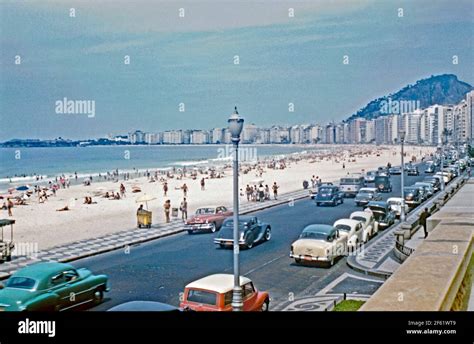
{"points": [[444, 175], [352, 229], [395, 204], [369, 226]]}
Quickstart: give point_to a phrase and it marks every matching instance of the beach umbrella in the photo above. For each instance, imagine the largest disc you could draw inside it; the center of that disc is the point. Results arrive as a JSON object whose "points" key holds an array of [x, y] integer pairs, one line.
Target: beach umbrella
{"points": [[145, 199], [23, 188]]}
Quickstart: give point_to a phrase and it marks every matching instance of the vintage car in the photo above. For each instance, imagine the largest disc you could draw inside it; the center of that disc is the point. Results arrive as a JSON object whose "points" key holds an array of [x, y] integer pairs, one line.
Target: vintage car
{"points": [[434, 181], [51, 286], [351, 184], [251, 231], [143, 306], [370, 176], [365, 195], [352, 229], [395, 170], [396, 204], [207, 219], [214, 293], [313, 191], [431, 168], [383, 184], [413, 196], [383, 214], [413, 171], [319, 243], [445, 175], [428, 188], [369, 226], [329, 195]]}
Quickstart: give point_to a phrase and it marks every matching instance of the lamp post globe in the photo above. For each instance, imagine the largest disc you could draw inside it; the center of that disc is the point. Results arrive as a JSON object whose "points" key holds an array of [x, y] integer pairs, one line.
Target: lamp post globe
{"points": [[236, 124], [402, 210]]}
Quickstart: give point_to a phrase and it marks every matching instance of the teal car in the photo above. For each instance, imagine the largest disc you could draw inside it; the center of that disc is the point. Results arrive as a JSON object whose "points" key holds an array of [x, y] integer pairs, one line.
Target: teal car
{"points": [[51, 287]]}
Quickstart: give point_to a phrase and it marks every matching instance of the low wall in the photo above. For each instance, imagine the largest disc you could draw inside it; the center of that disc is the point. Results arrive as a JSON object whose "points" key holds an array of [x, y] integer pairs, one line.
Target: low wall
{"points": [[438, 275]]}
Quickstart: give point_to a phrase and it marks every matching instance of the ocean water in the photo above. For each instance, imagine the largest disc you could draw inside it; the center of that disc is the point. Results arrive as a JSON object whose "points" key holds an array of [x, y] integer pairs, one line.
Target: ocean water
{"points": [[53, 161]]}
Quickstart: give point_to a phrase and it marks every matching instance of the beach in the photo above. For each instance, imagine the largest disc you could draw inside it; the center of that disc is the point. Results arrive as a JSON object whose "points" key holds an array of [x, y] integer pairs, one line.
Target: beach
{"points": [[42, 224]]}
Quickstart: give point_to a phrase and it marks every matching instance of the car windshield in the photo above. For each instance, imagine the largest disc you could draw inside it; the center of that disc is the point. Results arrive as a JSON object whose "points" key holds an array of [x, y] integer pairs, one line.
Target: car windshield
{"points": [[366, 192], [410, 190], [325, 190], [350, 181], [230, 223], [205, 211], [21, 283], [345, 228], [313, 235], [201, 296], [381, 179], [359, 218]]}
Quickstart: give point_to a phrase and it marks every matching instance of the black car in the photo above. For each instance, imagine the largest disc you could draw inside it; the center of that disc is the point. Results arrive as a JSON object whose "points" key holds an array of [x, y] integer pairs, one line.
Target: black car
{"points": [[365, 195], [382, 214], [329, 195], [383, 184], [413, 171], [251, 231], [433, 181], [413, 196]]}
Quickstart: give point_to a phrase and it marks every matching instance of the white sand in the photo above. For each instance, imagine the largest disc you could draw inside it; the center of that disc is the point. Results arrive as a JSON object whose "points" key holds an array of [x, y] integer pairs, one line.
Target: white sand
{"points": [[42, 224]]}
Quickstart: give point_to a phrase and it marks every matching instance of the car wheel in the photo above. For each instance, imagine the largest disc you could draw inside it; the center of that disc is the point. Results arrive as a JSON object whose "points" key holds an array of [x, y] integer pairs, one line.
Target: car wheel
{"points": [[297, 260], [213, 228], [317, 203], [222, 245], [342, 200], [98, 296], [268, 234], [266, 306], [249, 245], [190, 232], [8, 258], [331, 262]]}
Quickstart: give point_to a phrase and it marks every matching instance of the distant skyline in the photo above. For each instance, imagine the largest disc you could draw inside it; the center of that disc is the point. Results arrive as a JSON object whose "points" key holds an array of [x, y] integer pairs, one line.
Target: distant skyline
{"points": [[190, 60]]}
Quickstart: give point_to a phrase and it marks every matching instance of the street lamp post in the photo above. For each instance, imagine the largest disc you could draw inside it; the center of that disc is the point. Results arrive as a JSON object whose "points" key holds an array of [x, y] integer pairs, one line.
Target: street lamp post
{"points": [[402, 210], [236, 124]]}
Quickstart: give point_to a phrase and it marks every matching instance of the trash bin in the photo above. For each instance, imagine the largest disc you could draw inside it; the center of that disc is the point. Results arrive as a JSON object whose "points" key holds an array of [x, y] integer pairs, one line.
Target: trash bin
{"points": [[174, 212], [144, 218]]}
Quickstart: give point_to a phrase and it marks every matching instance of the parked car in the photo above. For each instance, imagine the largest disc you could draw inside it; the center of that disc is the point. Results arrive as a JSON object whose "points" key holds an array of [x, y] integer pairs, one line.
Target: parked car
{"points": [[431, 168], [383, 214], [413, 171], [329, 195], [314, 191], [395, 170], [383, 184], [208, 219], [365, 195], [396, 204], [319, 243], [51, 286], [429, 190], [214, 293], [413, 197], [251, 231], [143, 306], [445, 175], [370, 176], [384, 171], [352, 229], [350, 185], [369, 226], [434, 181], [423, 192]]}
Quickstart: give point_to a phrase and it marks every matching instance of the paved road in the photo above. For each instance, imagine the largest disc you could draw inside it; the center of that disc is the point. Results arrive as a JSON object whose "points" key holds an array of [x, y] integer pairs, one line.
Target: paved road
{"points": [[160, 269]]}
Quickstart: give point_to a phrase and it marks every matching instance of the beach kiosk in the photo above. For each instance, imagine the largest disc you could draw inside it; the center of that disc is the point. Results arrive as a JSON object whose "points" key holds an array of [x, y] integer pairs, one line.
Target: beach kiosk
{"points": [[144, 216], [6, 246]]}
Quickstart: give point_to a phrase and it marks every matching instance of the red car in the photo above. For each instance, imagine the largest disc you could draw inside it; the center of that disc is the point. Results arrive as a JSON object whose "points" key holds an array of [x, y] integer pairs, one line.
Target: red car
{"points": [[214, 293], [207, 219]]}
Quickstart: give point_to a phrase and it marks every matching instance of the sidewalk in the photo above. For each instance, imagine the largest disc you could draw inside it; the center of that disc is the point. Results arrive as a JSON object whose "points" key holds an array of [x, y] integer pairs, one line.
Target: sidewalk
{"points": [[123, 239]]}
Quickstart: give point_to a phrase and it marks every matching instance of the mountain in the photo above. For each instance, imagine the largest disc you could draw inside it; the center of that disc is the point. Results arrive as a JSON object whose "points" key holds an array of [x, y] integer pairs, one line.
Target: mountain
{"points": [[442, 89]]}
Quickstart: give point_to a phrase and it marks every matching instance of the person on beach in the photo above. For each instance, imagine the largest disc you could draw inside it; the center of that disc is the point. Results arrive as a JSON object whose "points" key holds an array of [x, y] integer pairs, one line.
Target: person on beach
{"points": [[122, 190], [261, 193], [422, 220], [184, 209], [165, 189], [185, 189], [203, 184], [267, 192], [9, 207], [65, 208], [140, 209], [248, 191], [275, 188], [167, 207], [313, 181]]}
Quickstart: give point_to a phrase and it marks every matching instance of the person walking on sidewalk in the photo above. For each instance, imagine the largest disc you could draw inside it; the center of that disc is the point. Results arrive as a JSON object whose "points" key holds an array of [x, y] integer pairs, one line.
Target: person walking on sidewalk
{"points": [[184, 209], [167, 207], [422, 220]]}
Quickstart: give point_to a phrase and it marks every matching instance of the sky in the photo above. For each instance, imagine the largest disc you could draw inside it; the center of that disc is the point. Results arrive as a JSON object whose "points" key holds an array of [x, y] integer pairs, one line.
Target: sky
{"points": [[191, 60]]}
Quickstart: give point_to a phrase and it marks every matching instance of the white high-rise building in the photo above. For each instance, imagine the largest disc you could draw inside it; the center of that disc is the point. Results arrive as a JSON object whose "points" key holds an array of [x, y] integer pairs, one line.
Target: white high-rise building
{"points": [[173, 137], [470, 116], [199, 137], [249, 133], [217, 135], [370, 131]]}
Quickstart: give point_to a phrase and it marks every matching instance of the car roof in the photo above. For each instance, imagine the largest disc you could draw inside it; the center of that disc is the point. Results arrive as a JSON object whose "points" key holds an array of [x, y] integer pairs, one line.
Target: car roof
{"points": [[361, 213], [143, 306], [319, 228], [41, 270], [220, 283], [368, 189], [395, 199], [349, 222], [380, 204]]}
